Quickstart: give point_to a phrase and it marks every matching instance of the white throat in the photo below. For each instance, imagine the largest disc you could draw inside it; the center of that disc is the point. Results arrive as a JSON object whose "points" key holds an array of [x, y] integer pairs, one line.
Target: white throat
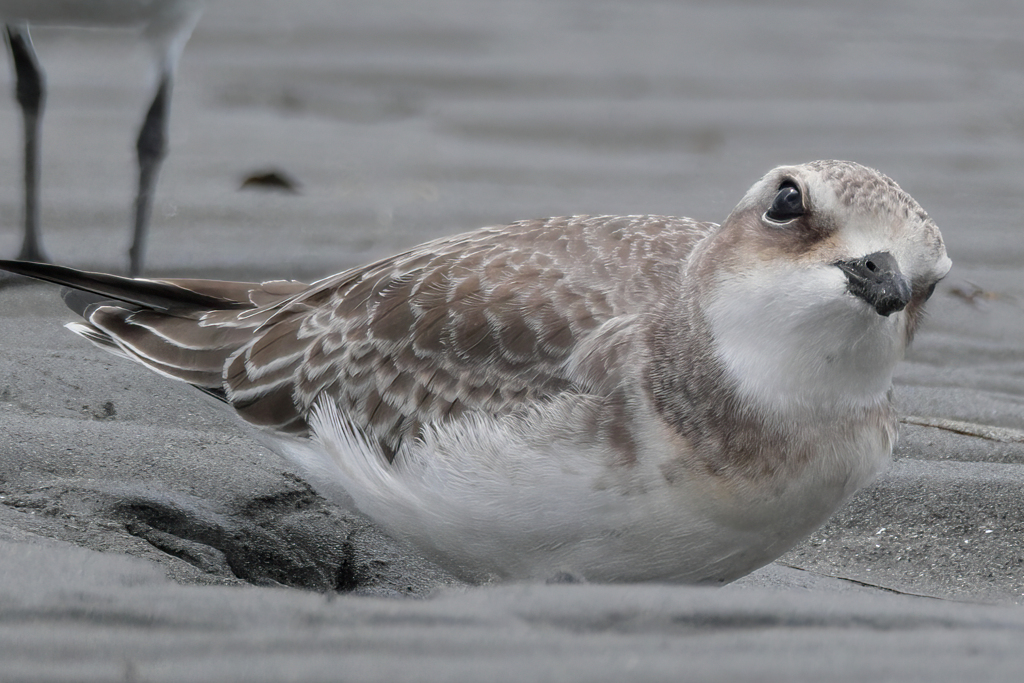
{"points": [[795, 339]]}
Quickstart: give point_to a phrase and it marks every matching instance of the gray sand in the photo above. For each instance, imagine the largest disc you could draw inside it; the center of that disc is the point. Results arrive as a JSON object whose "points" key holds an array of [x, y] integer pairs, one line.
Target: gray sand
{"points": [[146, 536]]}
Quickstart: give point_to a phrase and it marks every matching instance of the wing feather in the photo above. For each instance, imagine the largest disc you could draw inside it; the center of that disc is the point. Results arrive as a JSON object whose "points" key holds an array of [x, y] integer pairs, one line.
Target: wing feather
{"points": [[486, 321], [481, 322]]}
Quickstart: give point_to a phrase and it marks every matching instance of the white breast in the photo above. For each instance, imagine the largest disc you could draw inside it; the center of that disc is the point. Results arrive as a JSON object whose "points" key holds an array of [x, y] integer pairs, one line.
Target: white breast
{"points": [[497, 499]]}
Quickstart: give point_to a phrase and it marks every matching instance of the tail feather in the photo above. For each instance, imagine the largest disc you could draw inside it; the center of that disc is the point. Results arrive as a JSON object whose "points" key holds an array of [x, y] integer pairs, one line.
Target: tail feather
{"points": [[80, 302], [109, 344], [97, 337], [188, 333], [196, 366], [182, 329], [155, 295]]}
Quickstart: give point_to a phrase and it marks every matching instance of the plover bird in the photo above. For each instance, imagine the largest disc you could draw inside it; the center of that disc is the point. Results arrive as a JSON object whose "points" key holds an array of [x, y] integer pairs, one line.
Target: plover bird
{"points": [[617, 398], [166, 25]]}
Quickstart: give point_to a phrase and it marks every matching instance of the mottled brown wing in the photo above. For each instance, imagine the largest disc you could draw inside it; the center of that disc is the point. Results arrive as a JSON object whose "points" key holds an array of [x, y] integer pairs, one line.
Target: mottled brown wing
{"points": [[481, 322], [181, 340]]}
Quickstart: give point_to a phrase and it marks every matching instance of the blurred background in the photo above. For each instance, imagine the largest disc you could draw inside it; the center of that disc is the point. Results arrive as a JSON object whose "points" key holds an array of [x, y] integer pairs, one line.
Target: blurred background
{"points": [[403, 120]]}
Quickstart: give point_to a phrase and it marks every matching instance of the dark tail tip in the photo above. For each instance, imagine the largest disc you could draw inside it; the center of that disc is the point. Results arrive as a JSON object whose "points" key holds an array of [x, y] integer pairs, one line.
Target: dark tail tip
{"points": [[151, 294]]}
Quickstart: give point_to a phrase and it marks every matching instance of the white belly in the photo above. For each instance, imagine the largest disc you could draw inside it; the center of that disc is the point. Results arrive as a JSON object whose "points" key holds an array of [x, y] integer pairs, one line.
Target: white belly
{"points": [[487, 503]]}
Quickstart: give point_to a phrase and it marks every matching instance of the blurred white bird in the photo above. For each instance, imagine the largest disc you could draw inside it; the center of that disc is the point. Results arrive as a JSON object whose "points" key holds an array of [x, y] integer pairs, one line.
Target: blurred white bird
{"points": [[166, 26]]}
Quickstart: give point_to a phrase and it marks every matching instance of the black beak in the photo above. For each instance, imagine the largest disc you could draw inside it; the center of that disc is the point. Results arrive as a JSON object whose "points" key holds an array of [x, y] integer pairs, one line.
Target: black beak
{"points": [[877, 279]]}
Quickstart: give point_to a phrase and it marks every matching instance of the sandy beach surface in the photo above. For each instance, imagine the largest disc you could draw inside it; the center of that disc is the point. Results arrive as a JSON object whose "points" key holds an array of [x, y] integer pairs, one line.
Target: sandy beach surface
{"points": [[144, 536]]}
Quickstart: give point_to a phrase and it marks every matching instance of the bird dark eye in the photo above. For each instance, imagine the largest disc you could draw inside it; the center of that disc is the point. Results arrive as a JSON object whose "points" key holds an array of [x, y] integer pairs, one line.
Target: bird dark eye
{"points": [[788, 204]]}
